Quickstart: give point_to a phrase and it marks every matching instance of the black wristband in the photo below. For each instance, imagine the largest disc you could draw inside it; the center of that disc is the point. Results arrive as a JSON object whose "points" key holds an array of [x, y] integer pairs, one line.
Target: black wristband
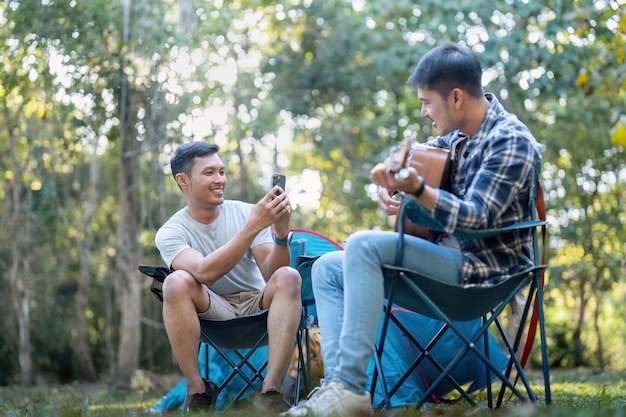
{"points": [[282, 242], [421, 189]]}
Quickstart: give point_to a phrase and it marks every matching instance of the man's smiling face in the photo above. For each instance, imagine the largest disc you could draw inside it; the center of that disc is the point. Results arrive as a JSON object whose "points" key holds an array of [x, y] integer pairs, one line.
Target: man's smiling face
{"points": [[207, 180]]}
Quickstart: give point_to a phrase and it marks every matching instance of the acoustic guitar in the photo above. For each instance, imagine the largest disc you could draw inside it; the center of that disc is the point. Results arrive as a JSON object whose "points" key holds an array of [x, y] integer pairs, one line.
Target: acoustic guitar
{"points": [[431, 163]]}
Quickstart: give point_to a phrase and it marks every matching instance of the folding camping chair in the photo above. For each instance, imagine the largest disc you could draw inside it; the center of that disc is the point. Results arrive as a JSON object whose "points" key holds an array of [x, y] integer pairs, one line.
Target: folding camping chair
{"points": [[458, 303], [235, 341], [242, 337]]}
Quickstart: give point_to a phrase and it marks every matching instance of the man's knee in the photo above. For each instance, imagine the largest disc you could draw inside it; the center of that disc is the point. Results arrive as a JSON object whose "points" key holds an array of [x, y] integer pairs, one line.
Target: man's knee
{"points": [[365, 239], [288, 279], [178, 283], [327, 265]]}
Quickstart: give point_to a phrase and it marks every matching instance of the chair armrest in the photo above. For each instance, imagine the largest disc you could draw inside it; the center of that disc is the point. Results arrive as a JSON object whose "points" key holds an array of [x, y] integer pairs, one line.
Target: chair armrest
{"points": [[479, 234], [158, 275], [418, 215], [157, 272]]}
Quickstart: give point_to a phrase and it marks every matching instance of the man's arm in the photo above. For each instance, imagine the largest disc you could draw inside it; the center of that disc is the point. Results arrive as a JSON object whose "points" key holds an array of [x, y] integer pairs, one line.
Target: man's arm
{"points": [[413, 182], [270, 257], [208, 269]]}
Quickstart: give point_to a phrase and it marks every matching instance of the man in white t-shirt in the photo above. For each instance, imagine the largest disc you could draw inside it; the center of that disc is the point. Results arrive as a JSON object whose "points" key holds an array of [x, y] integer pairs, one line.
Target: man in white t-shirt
{"points": [[226, 264]]}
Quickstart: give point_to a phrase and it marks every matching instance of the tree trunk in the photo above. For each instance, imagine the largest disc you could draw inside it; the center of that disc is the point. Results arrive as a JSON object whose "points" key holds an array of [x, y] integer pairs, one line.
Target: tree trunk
{"points": [[577, 343], [20, 295], [126, 259], [599, 344], [86, 367]]}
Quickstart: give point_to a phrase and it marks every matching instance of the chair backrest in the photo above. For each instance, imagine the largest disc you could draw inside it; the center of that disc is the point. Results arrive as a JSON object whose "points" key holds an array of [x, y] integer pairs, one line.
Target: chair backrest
{"points": [[304, 265]]}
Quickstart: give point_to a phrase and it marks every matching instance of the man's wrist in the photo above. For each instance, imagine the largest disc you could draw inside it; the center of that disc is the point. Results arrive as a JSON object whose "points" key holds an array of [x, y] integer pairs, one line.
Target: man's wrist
{"points": [[420, 189], [282, 242]]}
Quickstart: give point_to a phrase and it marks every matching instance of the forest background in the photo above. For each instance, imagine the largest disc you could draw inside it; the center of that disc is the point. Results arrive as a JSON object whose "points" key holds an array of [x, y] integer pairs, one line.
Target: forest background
{"points": [[95, 94]]}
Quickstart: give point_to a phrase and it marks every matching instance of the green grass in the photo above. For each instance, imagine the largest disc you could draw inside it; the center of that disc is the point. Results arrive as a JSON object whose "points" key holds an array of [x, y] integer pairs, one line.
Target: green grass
{"points": [[575, 393]]}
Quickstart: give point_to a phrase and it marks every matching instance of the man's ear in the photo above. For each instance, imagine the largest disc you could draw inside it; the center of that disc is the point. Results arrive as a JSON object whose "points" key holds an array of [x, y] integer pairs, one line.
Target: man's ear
{"points": [[457, 97], [182, 180]]}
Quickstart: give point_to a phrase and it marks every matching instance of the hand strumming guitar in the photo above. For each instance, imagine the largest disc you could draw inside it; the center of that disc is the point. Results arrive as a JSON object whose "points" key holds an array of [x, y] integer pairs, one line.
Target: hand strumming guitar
{"points": [[399, 174], [388, 201], [396, 174], [408, 182]]}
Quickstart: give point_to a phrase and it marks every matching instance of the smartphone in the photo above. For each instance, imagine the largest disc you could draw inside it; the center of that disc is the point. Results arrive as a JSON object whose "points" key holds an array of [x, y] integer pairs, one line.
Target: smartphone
{"points": [[278, 179]]}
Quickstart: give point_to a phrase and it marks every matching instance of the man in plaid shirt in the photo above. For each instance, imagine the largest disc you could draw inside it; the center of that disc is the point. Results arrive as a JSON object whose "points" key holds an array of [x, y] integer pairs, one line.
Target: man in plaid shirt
{"points": [[496, 156]]}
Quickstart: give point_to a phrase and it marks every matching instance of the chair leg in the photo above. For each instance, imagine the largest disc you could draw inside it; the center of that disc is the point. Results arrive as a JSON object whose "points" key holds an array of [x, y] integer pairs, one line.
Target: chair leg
{"points": [[542, 337], [424, 354], [238, 369], [307, 365], [487, 370], [536, 291], [304, 371], [203, 350], [378, 375], [513, 361], [302, 366]]}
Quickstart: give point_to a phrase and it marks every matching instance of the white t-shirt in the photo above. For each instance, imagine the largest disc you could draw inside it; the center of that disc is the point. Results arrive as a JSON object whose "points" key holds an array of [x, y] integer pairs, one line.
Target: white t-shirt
{"points": [[181, 231]]}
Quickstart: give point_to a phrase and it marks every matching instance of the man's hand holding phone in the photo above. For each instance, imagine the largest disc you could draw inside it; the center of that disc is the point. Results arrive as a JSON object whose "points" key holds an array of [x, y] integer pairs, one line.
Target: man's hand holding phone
{"points": [[278, 180], [278, 187]]}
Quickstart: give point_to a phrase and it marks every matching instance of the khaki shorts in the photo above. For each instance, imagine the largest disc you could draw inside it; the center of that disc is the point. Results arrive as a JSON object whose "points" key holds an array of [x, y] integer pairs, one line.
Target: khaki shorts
{"points": [[226, 307]]}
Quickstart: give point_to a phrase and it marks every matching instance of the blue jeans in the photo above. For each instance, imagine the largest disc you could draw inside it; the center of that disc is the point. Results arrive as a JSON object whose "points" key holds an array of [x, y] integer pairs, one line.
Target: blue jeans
{"points": [[349, 295]]}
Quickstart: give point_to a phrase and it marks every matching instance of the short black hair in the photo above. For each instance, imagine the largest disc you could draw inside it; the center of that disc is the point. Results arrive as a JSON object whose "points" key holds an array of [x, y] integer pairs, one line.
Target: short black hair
{"points": [[447, 67], [183, 158]]}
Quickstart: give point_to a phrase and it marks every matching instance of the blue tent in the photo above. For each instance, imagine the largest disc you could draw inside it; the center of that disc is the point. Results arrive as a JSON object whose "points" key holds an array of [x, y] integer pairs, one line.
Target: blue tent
{"points": [[314, 243]]}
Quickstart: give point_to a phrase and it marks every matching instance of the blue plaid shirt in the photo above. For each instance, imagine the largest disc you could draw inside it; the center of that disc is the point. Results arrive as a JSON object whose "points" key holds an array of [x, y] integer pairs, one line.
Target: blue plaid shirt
{"points": [[491, 189]]}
